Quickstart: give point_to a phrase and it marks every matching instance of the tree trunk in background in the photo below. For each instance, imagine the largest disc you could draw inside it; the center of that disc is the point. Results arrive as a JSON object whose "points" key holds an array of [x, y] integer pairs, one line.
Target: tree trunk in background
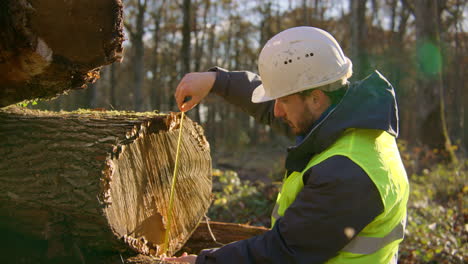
{"points": [[358, 39], [101, 179], [156, 95], [92, 96], [186, 49], [186, 29], [174, 75], [227, 45], [429, 63], [455, 74], [157, 90], [199, 46], [37, 61], [305, 13], [399, 52], [136, 37], [316, 10], [463, 89], [113, 85], [201, 43], [265, 25]]}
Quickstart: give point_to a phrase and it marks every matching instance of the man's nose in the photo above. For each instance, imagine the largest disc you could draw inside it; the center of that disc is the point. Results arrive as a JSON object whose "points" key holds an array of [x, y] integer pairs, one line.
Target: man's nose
{"points": [[278, 110]]}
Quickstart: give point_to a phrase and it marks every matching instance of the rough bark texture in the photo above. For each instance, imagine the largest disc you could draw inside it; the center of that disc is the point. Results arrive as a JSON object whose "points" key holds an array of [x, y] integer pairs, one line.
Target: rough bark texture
{"points": [[101, 180], [48, 46]]}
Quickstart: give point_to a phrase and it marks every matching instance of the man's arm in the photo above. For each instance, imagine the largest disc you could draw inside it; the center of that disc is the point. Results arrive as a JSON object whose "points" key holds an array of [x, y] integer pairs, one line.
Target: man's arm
{"points": [[337, 196], [236, 87]]}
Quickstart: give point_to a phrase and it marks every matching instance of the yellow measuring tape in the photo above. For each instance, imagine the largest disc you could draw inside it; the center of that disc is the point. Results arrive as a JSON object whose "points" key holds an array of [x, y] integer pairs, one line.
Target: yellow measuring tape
{"points": [[171, 197]]}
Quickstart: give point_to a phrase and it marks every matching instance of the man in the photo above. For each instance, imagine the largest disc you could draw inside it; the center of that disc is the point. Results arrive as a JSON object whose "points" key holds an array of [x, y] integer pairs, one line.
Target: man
{"points": [[344, 196]]}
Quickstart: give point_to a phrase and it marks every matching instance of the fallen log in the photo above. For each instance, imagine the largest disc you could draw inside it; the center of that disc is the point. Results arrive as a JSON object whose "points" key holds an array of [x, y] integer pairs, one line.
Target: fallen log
{"points": [[216, 234], [48, 47], [209, 235], [101, 180]]}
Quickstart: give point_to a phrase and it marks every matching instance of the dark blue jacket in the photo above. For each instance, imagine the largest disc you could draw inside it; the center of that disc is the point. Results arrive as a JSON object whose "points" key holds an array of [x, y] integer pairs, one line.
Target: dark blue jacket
{"points": [[337, 193]]}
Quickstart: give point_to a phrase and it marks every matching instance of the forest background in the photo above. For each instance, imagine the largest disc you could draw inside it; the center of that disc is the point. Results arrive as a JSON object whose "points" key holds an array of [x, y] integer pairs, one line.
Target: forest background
{"points": [[419, 45]]}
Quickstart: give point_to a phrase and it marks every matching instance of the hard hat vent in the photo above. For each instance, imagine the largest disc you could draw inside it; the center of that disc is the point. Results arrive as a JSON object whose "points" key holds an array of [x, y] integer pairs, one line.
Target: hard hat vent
{"points": [[298, 58]]}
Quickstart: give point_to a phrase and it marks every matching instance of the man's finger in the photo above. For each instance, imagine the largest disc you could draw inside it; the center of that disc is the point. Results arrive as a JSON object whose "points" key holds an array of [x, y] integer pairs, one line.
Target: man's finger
{"points": [[187, 104], [190, 104], [180, 88], [184, 258], [180, 94], [181, 83]]}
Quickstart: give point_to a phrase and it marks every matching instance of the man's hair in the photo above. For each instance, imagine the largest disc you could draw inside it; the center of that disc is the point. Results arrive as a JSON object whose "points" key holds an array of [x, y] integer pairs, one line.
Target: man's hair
{"points": [[335, 91], [336, 95]]}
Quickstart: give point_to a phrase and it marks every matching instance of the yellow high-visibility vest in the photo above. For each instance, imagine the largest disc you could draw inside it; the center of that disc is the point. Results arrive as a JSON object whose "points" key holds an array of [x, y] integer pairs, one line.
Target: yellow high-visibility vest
{"points": [[376, 152]]}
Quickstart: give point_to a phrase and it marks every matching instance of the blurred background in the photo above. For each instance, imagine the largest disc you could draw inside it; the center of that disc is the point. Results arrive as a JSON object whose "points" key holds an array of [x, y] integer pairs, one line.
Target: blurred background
{"points": [[419, 45]]}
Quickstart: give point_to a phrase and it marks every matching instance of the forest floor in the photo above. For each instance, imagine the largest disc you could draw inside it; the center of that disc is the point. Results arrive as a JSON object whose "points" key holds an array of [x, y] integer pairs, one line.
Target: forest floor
{"points": [[262, 163]]}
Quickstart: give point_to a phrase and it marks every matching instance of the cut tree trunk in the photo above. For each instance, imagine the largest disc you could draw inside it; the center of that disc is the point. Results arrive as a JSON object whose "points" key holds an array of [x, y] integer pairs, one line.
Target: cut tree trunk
{"points": [[101, 180], [48, 47]]}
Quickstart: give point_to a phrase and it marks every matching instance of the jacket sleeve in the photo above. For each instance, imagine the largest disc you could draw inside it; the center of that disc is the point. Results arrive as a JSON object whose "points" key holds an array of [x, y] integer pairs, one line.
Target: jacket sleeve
{"points": [[236, 87], [337, 196]]}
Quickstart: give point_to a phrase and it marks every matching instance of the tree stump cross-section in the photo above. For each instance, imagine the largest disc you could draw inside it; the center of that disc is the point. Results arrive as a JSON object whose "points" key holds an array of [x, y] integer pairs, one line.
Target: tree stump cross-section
{"points": [[102, 177]]}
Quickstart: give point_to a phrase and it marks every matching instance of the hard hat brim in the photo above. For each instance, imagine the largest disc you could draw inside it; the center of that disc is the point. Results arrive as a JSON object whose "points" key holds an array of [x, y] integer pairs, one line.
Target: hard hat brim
{"points": [[258, 95]]}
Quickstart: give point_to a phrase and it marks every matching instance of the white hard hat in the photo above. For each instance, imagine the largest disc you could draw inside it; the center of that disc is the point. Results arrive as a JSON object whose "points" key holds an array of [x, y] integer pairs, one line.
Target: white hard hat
{"points": [[299, 59]]}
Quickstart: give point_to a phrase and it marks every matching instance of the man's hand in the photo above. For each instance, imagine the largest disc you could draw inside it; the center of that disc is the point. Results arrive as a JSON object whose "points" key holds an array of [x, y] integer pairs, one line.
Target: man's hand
{"points": [[197, 85], [185, 258]]}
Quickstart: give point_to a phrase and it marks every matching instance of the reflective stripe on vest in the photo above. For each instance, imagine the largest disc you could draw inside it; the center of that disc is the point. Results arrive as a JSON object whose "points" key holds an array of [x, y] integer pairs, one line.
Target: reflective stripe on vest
{"points": [[369, 245], [366, 245]]}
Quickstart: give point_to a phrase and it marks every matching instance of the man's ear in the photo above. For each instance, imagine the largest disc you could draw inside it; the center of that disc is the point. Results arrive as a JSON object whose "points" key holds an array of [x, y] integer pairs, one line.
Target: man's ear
{"points": [[319, 99], [316, 96]]}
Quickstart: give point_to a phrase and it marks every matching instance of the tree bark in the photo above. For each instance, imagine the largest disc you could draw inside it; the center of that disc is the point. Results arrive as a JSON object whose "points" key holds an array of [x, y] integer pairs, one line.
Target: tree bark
{"points": [[138, 63], [358, 39], [48, 47], [186, 31], [398, 52], [102, 179], [200, 43], [113, 86], [431, 96], [265, 23], [157, 91]]}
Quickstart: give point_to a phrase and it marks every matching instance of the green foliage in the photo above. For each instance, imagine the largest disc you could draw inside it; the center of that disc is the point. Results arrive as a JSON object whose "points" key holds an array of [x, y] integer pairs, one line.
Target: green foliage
{"points": [[240, 201], [25, 103], [429, 58], [436, 230]]}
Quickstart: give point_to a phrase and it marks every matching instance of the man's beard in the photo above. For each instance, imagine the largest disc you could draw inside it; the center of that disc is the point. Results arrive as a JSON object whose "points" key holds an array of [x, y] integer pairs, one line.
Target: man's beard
{"points": [[302, 128]]}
